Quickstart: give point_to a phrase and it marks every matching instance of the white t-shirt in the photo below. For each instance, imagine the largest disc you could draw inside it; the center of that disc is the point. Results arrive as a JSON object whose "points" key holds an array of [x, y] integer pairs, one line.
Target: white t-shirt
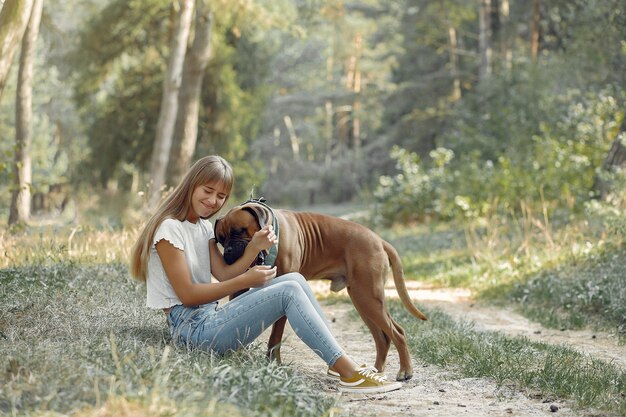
{"points": [[193, 240]]}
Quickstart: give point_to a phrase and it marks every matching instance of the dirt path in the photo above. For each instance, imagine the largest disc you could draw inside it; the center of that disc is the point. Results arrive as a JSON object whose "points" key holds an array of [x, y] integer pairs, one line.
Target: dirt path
{"points": [[434, 391]]}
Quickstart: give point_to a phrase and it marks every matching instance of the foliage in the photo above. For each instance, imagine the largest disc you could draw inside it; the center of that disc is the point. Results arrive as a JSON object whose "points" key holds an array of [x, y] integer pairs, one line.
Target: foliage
{"points": [[414, 193], [527, 145], [565, 272], [312, 183], [325, 159], [419, 107], [122, 88], [589, 287], [533, 130], [55, 146], [536, 131]]}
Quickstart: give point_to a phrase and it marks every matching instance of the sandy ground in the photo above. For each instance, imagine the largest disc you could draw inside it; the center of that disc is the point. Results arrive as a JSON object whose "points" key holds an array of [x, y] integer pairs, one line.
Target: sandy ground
{"points": [[434, 391]]}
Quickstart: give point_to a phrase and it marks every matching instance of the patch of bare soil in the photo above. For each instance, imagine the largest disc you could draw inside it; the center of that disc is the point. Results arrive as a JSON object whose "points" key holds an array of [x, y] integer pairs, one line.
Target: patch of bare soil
{"points": [[433, 391]]}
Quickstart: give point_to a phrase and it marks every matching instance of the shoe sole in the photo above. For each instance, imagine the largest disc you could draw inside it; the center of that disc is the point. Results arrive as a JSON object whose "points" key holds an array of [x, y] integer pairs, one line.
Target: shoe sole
{"points": [[371, 390]]}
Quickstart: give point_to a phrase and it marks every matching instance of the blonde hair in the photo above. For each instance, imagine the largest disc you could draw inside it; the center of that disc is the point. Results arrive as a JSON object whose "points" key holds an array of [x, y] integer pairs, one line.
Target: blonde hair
{"points": [[209, 169]]}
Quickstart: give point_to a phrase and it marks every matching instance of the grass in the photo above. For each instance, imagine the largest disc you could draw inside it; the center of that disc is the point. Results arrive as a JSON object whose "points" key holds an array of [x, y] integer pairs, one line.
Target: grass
{"points": [[587, 292], [555, 371], [566, 274], [50, 244], [77, 339], [436, 254]]}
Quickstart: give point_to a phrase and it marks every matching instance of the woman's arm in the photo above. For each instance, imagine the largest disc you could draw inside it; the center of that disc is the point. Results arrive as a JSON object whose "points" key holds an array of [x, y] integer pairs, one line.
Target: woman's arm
{"points": [[262, 240], [193, 294]]}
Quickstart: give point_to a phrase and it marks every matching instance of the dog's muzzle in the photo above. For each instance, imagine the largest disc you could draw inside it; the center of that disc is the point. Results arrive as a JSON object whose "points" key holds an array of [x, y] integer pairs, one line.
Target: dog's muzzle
{"points": [[234, 250]]}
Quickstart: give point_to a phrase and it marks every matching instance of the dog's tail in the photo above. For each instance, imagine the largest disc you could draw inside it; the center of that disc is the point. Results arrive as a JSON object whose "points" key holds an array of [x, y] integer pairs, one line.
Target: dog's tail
{"points": [[398, 278]]}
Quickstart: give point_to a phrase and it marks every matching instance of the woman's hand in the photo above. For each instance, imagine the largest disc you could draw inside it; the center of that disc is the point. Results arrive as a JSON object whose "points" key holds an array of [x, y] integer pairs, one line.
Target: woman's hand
{"points": [[263, 239], [258, 275]]}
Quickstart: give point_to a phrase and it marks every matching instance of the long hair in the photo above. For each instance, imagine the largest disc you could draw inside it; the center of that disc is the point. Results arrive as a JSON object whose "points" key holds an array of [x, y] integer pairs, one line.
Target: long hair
{"points": [[210, 169]]}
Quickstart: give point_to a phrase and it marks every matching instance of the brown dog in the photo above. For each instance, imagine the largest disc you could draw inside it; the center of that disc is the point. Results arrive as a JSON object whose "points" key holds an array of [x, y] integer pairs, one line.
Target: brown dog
{"points": [[324, 247]]}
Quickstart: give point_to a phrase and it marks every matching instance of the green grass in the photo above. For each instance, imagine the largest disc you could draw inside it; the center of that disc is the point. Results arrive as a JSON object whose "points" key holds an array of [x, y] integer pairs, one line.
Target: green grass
{"points": [[587, 292], [553, 370], [77, 339], [437, 254], [569, 275]]}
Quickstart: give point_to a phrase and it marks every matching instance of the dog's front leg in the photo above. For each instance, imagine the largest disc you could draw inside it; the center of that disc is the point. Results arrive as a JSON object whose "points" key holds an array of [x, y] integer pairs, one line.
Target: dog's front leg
{"points": [[273, 344]]}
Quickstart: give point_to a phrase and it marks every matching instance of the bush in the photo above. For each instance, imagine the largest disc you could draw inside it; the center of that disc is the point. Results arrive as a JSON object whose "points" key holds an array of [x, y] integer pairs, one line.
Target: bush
{"points": [[547, 158]]}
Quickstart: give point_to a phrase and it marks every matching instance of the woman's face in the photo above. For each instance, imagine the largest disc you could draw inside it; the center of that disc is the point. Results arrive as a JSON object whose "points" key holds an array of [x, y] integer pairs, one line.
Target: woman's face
{"points": [[206, 200]]}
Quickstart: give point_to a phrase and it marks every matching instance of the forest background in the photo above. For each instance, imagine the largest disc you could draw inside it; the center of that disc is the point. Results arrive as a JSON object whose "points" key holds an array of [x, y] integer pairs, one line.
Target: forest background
{"points": [[422, 109]]}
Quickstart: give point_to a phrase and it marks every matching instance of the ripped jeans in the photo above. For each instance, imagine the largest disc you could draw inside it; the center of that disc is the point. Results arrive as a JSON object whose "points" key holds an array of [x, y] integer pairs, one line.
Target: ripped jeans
{"points": [[222, 329]]}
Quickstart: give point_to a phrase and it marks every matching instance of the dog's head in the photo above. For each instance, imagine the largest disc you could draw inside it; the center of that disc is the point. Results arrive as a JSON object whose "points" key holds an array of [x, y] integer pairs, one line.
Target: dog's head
{"points": [[235, 229]]}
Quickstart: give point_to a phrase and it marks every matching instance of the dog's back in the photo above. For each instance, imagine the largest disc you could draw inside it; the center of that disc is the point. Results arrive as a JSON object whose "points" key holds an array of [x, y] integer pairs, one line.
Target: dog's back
{"points": [[331, 245]]}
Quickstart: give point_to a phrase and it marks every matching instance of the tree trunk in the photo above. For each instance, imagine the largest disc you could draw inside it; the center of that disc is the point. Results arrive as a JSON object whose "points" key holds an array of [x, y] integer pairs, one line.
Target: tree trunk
{"points": [[615, 158], [506, 53], [484, 40], [328, 131], [356, 87], [196, 61], [454, 64], [14, 16], [534, 31], [453, 48], [329, 109], [293, 138], [169, 99], [22, 170]]}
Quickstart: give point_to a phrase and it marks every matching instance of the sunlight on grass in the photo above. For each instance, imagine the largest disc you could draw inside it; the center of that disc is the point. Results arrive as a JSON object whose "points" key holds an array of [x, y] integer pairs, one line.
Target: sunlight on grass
{"points": [[490, 251], [564, 273], [53, 244]]}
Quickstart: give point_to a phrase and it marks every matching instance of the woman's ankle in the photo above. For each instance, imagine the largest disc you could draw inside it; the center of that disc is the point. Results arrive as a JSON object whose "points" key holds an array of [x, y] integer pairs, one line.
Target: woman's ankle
{"points": [[345, 366]]}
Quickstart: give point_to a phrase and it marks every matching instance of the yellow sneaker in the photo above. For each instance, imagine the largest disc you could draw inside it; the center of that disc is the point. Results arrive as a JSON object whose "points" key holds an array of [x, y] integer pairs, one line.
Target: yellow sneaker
{"points": [[331, 373], [367, 381]]}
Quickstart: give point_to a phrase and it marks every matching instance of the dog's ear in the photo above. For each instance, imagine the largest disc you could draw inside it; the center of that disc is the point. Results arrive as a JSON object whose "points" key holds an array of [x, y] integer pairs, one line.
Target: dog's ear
{"points": [[260, 213], [219, 236]]}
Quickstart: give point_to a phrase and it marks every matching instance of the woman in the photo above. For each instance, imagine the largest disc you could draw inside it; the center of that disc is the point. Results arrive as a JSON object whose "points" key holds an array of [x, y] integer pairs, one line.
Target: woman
{"points": [[176, 254]]}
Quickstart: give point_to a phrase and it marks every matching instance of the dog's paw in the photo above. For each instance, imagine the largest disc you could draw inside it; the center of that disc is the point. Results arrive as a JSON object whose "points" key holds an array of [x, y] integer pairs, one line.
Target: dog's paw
{"points": [[273, 355], [404, 375]]}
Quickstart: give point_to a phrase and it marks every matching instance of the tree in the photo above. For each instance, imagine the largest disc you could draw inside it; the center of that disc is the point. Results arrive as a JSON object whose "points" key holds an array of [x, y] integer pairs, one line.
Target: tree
{"points": [[438, 62], [506, 53], [196, 60], [119, 70], [14, 17], [118, 66], [169, 99], [453, 47], [615, 159], [534, 30], [484, 40], [21, 196]]}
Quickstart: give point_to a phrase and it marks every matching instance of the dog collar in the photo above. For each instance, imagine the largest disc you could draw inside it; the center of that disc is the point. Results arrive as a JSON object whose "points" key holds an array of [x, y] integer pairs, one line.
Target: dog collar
{"points": [[270, 255]]}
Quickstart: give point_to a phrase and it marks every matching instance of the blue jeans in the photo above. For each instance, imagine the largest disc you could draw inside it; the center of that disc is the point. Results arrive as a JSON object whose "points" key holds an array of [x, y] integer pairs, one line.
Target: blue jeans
{"points": [[242, 320]]}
